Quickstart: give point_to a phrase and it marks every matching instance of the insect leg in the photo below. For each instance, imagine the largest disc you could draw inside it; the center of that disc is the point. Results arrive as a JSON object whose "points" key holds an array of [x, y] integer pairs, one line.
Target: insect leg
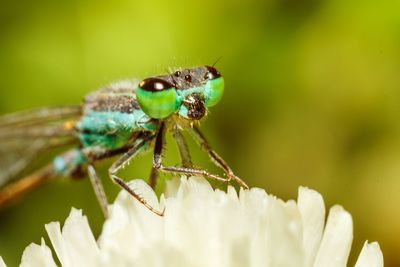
{"points": [[98, 190], [184, 154], [157, 161], [183, 148], [139, 147], [217, 159], [70, 164], [153, 177]]}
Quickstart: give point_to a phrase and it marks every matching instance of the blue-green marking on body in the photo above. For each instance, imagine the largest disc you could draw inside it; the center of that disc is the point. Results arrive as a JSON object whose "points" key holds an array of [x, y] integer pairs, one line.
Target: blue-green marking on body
{"points": [[68, 162], [112, 130], [183, 111]]}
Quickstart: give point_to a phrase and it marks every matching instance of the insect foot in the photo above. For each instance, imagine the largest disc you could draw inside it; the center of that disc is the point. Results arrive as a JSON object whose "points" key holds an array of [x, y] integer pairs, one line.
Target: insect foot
{"points": [[232, 176]]}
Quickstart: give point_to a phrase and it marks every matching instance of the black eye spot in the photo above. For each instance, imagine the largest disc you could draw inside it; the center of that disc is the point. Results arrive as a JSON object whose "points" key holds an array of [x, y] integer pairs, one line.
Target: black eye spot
{"points": [[177, 73], [188, 78], [212, 73], [154, 84]]}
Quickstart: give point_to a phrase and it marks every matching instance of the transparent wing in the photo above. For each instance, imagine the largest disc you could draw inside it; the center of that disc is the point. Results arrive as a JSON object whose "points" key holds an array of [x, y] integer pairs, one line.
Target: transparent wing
{"points": [[38, 116], [26, 135]]}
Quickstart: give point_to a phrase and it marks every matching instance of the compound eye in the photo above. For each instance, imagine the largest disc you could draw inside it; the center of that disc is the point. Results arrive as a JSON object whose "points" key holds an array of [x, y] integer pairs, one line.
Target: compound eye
{"points": [[212, 73], [155, 85], [214, 86], [157, 98]]}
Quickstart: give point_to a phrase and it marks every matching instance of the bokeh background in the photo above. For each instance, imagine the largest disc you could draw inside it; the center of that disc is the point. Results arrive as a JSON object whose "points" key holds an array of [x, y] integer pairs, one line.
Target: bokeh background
{"points": [[312, 97]]}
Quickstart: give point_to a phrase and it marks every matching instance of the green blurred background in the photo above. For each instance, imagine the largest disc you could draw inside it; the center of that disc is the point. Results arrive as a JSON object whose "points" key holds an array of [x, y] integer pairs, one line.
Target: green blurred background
{"points": [[312, 95]]}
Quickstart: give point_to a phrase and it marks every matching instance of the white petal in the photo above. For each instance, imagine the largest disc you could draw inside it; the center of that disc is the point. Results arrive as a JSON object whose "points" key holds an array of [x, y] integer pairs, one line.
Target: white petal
{"points": [[207, 227], [193, 219], [336, 241], [370, 256], [312, 210], [77, 233], [172, 187], [2, 263], [197, 186], [35, 255], [131, 223], [231, 192], [145, 191], [54, 232], [284, 235], [76, 245]]}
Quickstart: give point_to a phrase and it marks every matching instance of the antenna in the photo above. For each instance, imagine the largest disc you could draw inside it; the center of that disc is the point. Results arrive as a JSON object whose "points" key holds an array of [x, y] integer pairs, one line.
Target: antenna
{"points": [[218, 59]]}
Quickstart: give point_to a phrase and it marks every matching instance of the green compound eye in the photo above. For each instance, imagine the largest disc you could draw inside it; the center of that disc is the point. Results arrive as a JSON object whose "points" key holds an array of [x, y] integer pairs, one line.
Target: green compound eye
{"points": [[157, 98], [214, 89]]}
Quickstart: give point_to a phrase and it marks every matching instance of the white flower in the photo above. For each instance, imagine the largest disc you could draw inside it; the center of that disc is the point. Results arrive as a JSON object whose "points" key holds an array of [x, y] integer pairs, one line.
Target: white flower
{"points": [[203, 227]]}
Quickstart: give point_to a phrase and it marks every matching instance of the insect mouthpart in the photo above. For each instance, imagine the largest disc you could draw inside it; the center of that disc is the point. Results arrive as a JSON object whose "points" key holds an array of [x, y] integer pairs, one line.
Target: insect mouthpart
{"points": [[195, 106]]}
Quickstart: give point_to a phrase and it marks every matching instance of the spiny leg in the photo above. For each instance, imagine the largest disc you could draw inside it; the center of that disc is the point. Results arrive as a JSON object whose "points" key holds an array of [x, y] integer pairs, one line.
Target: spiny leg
{"points": [[98, 190], [217, 159], [184, 154], [70, 164], [183, 148], [153, 177], [127, 157], [157, 161]]}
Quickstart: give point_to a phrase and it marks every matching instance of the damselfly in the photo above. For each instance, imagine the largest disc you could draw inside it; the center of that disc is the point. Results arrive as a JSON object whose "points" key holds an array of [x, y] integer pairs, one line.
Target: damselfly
{"points": [[125, 118]]}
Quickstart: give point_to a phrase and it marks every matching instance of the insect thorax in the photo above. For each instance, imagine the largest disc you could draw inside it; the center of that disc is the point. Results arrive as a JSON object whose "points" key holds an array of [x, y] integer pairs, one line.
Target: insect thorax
{"points": [[112, 116]]}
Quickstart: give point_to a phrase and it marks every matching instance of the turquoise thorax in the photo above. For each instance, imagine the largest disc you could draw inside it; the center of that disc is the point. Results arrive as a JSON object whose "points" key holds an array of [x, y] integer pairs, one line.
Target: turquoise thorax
{"points": [[112, 130]]}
